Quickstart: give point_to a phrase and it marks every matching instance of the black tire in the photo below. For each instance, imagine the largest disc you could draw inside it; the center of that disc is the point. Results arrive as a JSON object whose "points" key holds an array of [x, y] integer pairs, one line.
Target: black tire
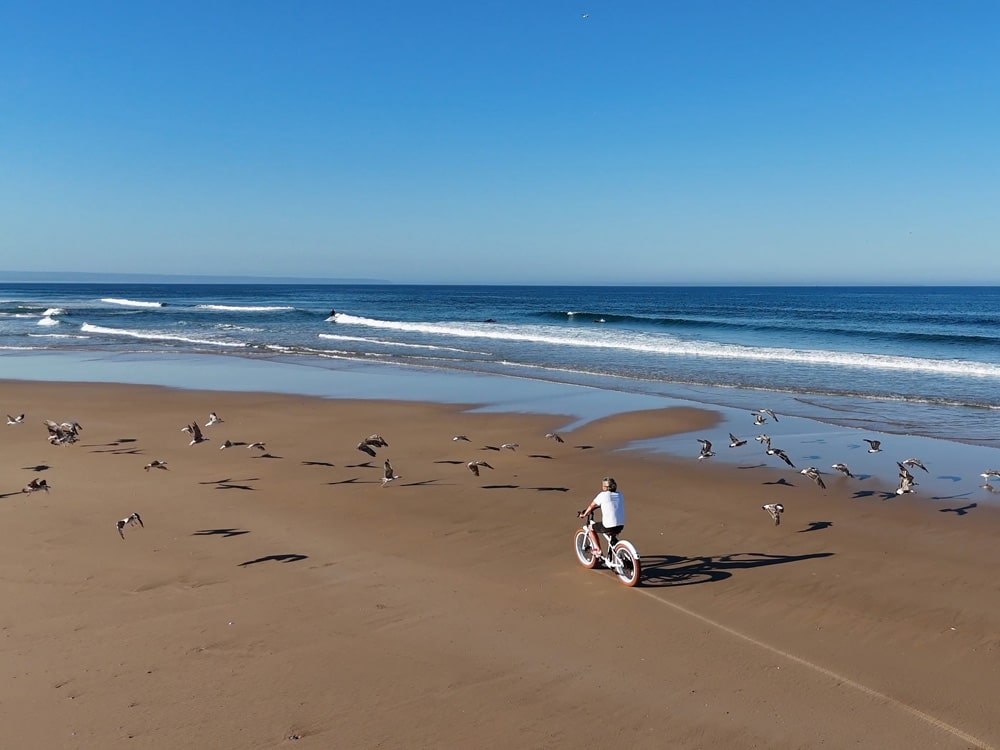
{"points": [[584, 549], [628, 568]]}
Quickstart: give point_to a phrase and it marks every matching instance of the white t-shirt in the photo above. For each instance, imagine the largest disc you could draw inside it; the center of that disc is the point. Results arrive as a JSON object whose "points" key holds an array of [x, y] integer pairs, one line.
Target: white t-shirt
{"points": [[612, 506]]}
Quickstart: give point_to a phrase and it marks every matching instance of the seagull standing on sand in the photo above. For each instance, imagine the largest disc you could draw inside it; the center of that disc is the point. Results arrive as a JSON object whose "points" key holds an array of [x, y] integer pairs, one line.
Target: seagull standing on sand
{"points": [[706, 449], [875, 445], [35, 485], [19, 419], [842, 468], [774, 510], [388, 474], [214, 418], [735, 442], [474, 466], [813, 473], [132, 520], [156, 464]]}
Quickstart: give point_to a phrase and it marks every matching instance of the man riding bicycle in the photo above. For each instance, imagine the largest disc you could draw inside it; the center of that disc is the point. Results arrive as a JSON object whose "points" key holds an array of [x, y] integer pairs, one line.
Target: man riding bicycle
{"points": [[612, 505]]}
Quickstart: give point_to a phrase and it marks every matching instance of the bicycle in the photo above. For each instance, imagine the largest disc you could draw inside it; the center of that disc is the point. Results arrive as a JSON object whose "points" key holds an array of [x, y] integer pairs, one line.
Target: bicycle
{"points": [[622, 558]]}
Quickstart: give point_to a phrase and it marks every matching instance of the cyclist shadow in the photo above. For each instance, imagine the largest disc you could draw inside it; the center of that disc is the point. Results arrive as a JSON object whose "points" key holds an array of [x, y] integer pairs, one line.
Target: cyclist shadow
{"points": [[676, 570]]}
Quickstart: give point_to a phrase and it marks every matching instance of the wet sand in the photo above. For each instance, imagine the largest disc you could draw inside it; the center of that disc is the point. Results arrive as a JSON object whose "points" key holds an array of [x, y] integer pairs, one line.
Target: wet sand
{"points": [[284, 598]]}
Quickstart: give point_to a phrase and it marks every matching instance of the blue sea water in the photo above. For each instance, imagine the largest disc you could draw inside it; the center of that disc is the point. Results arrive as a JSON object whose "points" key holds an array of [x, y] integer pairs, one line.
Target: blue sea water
{"points": [[905, 360]]}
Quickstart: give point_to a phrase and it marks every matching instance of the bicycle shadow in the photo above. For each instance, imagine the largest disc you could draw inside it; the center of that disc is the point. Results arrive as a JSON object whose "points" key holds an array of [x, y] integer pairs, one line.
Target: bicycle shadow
{"points": [[660, 571]]}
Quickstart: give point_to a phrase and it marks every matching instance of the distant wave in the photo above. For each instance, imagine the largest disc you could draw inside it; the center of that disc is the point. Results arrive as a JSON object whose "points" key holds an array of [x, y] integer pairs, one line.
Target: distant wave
{"points": [[246, 308], [54, 311], [154, 336], [57, 336], [48, 321], [383, 342], [598, 337], [131, 302]]}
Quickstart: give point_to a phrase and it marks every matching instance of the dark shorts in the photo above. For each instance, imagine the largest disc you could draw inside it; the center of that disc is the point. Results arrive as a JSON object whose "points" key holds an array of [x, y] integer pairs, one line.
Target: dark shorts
{"points": [[609, 530]]}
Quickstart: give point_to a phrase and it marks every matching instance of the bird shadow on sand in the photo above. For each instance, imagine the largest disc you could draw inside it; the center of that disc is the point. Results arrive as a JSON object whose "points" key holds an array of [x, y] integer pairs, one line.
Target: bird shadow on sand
{"points": [[287, 558], [548, 489], [365, 465], [539, 455], [490, 448], [220, 532], [882, 495], [816, 526], [753, 466], [662, 571], [783, 482], [37, 467], [317, 463], [121, 451], [449, 461], [11, 494], [231, 484], [959, 511], [583, 447], [352, 480], [500, 486], [421, 483], [267, 455]]}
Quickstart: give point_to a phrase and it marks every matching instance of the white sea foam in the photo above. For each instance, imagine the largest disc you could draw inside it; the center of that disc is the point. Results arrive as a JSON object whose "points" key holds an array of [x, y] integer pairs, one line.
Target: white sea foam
{"points": [[365, 340], [57, 336], [155, 336], [54, 311], [47, 321], [637, 341], [131, 302], [246, 308]]}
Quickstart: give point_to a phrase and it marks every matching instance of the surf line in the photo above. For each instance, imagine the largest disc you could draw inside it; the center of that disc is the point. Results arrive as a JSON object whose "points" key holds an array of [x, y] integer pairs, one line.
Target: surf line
{"points": [[870, 692]]}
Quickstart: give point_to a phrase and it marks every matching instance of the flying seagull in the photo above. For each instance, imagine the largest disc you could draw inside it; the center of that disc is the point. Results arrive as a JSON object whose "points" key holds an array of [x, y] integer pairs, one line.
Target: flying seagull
{"points": [[377, 441], [19, 419], [214, 418], [509, 446], [64, 433], [461, 437], [554, 436], [195, 431], [990, 474], [780, 454], [769, 413], [842, 468], [35, 485], [916, 462], [764, 440], [132, 520], [813, 473], [474, 466], [774, 510], [706, 449], [156, 464], [758, 418], [365, 448], [876, 445], [226, 444], [906, 482], [735, 442], [258, 446], [388, 474]]}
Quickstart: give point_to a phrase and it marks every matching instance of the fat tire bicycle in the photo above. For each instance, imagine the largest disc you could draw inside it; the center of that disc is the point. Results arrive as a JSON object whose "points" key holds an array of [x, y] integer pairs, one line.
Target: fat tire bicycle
{"points": [[622, 558]]}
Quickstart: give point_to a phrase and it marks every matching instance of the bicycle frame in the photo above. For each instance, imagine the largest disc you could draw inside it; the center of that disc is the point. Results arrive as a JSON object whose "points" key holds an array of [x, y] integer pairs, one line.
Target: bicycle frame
{"points": [[622, 557]]}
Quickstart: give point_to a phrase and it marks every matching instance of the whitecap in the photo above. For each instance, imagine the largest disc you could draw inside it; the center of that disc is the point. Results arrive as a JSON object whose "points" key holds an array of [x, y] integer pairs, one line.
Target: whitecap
{"points": [[131, 302]]}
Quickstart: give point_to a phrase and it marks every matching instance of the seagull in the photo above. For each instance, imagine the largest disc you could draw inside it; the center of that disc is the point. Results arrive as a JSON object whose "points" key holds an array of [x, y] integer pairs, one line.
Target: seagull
{"points": [[735, 442], [554, 436], [461, 437], [156, 464], [61, 434], [875, 445], [764, 440], [195, 432], [906, 482], [388, 475], [706, 449], [774, 510], [474, 466], [258, 446], [365, 448], [35, 485], [226, 444], [132, 520], [780, 454], [19, 419], [214, 418], [813, 473], [769, 413], [914, 462], [990, 488], [842, 468], [377, 440], [758, 418], [990, 474], [509, 446]]}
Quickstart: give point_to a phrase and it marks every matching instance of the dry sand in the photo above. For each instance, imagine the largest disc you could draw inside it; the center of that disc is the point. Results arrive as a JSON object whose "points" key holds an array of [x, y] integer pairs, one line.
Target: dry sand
{"points": [[287, 599]]}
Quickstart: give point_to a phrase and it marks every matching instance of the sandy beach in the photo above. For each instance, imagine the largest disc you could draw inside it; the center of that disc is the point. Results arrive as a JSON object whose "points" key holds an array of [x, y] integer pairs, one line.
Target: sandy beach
{"points": [[284, 598]]}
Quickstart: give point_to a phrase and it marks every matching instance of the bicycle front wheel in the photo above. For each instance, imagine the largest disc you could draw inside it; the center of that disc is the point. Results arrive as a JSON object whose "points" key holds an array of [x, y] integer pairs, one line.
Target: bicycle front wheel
{"points": [[585, 549], [627, 565]]}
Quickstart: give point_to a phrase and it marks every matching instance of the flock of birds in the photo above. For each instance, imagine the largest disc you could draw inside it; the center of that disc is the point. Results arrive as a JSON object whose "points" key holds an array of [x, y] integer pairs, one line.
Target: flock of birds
{"points": [[906, 484], [65, 433]]}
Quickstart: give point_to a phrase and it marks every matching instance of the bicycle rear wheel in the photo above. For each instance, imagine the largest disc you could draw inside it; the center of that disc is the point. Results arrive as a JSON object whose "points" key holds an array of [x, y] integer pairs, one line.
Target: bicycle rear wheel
{"points": [[627, 567], [585, 549]]}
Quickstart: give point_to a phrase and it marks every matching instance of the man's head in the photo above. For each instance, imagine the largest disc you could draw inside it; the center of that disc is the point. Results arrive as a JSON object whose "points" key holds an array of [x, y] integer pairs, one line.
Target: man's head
{"points": [[609, 484]]}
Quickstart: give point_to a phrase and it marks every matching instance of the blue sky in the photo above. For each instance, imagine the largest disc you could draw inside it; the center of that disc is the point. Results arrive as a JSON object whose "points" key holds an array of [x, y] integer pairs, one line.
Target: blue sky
{"points": [[648, 142]]}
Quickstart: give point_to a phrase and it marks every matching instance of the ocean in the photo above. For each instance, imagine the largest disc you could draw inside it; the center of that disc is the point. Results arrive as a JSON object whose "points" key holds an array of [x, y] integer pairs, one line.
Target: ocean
{"points": [[906, 361]]}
